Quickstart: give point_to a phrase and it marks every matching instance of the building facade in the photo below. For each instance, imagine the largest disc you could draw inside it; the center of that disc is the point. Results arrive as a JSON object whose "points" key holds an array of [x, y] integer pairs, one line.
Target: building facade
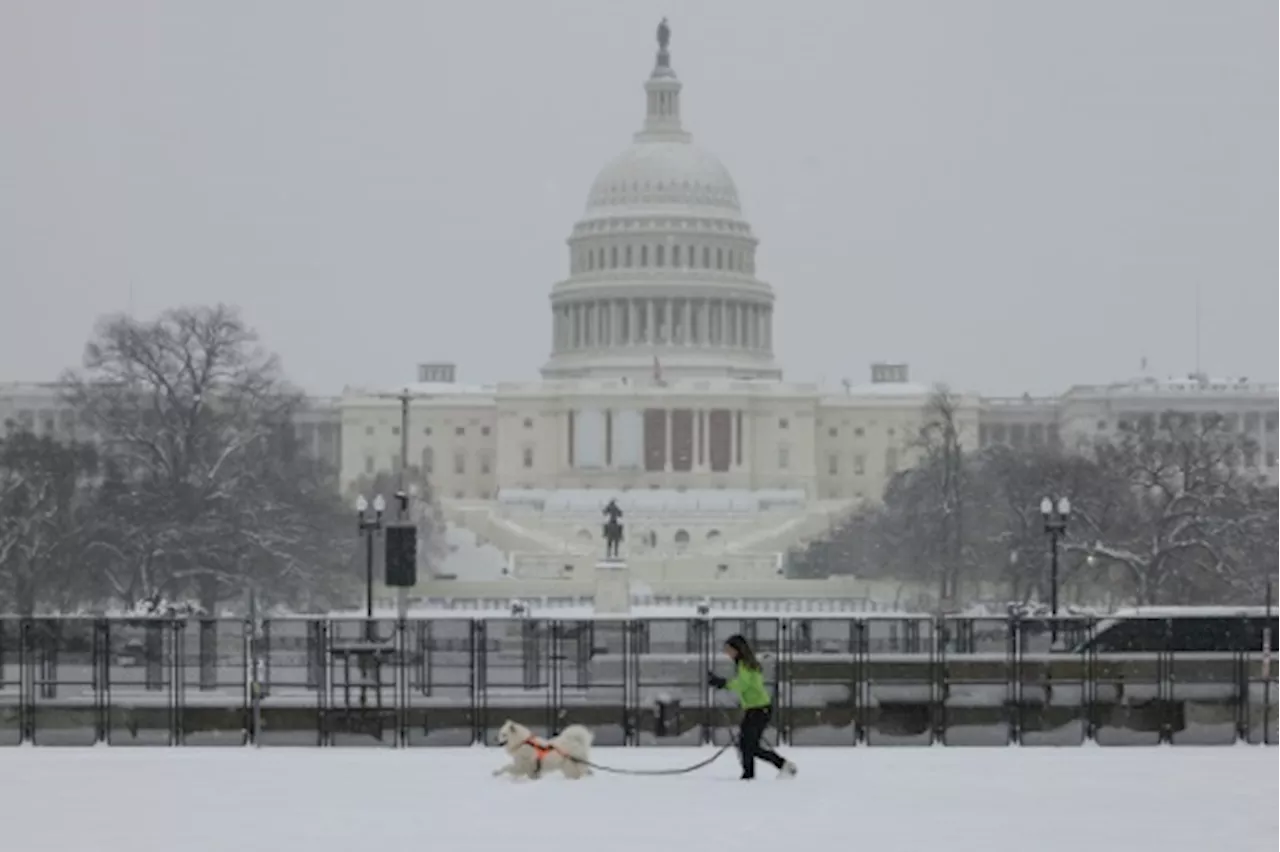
{"points": [[662, 389]]}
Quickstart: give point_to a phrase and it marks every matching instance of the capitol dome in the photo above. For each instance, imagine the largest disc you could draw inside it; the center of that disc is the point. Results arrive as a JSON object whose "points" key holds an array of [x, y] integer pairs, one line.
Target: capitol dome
{"points": [[663, 172], [662, 263]]}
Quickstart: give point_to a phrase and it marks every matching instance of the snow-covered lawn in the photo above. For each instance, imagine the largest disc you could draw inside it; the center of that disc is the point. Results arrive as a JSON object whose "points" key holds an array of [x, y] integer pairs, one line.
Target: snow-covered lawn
{"points": [[1085, 799]]}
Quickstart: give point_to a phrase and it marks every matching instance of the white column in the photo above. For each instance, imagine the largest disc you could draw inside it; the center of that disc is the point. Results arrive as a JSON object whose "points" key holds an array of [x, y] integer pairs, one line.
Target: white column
{"points": [[734, 439]]}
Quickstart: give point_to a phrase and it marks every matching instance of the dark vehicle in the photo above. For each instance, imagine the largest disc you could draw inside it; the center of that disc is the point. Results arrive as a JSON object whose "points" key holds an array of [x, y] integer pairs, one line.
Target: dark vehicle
{"points": [[1189, 630]]}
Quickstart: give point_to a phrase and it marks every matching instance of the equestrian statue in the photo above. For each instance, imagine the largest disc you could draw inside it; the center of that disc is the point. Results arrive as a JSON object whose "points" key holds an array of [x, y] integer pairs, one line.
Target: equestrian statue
{"points": [[612, 529]]}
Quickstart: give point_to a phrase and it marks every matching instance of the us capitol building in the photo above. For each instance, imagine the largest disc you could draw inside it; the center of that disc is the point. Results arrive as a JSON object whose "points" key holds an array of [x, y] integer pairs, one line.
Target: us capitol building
{"points": [[663, 390]]}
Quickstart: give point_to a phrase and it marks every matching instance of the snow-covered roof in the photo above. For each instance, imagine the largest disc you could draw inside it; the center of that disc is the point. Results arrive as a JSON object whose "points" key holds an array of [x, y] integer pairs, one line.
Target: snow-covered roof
{"points": [[644, 501], [1176, 387], [420, 391], [1193, 611]]}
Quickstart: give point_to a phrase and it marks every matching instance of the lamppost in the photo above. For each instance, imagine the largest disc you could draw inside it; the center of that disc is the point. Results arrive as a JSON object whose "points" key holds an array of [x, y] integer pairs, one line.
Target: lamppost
{"points": [[369, 527], [1055, 514]]}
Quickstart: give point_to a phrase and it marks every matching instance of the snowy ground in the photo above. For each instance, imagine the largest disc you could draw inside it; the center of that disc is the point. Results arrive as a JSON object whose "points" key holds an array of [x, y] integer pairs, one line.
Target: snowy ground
{"points": [[943, 799]]}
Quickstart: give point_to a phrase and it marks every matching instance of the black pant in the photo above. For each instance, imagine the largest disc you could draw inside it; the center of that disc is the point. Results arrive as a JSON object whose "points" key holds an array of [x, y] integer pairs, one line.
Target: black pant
{"points": [[754, 722]]}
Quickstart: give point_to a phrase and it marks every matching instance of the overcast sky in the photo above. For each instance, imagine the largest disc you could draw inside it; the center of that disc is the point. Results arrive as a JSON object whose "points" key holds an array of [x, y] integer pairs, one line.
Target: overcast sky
{"points": [[1011, 196]]}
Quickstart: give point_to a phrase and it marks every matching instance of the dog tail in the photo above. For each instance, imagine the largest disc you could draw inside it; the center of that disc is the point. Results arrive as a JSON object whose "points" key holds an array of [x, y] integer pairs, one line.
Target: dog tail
{"points": [[578, 736]]}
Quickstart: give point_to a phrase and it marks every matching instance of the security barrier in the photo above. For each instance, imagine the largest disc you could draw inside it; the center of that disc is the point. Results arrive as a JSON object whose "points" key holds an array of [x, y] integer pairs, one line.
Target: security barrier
{"points": [[439, 682]]}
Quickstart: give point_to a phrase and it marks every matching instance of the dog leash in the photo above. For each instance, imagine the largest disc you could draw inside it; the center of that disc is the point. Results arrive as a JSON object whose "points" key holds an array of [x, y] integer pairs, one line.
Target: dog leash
{"points": [[683, 770]]}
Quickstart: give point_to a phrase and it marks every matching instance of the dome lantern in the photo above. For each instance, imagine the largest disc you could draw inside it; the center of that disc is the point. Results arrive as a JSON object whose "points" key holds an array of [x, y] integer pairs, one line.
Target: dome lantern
{"points": [[662, 91]]}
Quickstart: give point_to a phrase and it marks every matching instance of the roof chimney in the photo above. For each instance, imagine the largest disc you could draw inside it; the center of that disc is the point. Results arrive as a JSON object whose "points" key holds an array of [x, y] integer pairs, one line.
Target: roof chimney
{"points": [[441, 373], [889, 374]]}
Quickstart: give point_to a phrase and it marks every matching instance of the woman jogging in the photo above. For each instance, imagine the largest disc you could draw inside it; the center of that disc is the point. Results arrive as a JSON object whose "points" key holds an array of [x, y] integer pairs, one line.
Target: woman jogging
{"points": [[748, 685]]}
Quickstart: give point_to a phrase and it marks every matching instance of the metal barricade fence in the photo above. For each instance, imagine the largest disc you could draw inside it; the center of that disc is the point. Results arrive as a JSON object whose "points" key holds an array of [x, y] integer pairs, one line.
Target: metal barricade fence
{"points": [[869, 680]]}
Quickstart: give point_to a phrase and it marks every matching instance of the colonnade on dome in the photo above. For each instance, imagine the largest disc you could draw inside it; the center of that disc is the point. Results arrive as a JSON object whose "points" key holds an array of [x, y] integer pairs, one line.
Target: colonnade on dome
{"points": [[710, 323]]}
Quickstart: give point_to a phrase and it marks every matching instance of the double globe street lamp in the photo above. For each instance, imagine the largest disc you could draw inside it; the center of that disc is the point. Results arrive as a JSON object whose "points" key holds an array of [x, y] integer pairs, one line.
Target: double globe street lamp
{"points": [[369, 527], [1056, 513]]}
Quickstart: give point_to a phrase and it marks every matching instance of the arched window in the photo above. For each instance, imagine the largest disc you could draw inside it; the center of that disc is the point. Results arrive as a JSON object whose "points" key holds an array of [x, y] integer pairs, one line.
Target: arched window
{"points": [[659, 255], [693, 257], [719, 258], [644, 255], [706, 257], [627, 259], [613, 257], [675, 255]]}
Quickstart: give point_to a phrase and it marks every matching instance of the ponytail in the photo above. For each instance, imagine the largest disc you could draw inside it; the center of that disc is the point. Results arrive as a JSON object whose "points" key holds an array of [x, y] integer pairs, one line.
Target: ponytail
{"points": [[746, 657]]}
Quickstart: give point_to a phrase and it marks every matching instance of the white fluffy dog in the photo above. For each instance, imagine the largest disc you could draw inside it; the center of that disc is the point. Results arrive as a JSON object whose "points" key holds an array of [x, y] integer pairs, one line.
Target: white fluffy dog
{"points": [[533, 757]]}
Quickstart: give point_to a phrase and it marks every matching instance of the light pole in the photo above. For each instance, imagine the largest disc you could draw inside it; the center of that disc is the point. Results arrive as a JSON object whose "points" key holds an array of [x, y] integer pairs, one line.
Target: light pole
{"points": [[369, 527], [1055, 514]]}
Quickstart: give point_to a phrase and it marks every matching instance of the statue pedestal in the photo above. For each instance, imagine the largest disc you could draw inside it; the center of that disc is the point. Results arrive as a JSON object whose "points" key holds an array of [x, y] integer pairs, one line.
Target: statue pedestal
{"points": [[613, 587]]}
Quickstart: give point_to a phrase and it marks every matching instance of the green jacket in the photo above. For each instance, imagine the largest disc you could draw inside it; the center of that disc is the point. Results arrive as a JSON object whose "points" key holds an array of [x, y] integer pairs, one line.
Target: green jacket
{"points": [[749, 686]]}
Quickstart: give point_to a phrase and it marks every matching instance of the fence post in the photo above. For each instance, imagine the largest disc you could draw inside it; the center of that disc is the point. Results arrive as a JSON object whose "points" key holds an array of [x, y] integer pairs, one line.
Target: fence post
{"points": [[315, 655], [208, 653], [153, 649], [253, 687]]}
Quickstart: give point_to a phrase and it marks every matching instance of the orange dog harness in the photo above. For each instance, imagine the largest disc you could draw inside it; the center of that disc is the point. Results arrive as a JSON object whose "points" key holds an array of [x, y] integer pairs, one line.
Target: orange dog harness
{"points": [[540, 751]]}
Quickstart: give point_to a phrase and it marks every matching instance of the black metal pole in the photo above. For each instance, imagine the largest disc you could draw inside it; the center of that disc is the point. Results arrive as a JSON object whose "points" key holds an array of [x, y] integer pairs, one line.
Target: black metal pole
{"points": [[368, 573], [1054, 534], [1053, 574]]}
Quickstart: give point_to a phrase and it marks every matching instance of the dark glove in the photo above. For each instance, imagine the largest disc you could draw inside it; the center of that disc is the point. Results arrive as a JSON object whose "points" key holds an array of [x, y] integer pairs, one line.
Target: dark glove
{"points": [[715, 681]]}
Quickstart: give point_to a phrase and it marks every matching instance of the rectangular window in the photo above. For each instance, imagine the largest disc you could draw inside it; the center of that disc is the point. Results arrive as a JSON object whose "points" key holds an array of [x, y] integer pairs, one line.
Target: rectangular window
{"points": [[459, 463], [528, 457], [891, 461], [859, 465], [484, 464], [655, 439], [368, 465], [833, 464], [720, 439], [784, 457]]}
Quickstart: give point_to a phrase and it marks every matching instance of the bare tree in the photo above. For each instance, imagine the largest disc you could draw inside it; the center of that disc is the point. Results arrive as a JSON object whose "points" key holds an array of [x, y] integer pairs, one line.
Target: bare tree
{"points": [[1186, 498], [42, 517], [942, 471], [196, 420]]}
